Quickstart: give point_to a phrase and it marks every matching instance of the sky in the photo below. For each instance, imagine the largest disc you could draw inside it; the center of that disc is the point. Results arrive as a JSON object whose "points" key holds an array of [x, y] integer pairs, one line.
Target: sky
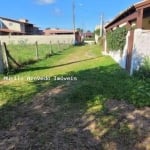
{"points": [[58, 13]]}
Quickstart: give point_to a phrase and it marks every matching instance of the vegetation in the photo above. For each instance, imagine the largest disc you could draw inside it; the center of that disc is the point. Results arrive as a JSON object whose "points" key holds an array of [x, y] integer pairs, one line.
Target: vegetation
{"points": [[144, 70], [26, 53], [101, 41], [107, 77], [97, 31], [116, 39], [79, 30], [70, 113], [144, 74]]}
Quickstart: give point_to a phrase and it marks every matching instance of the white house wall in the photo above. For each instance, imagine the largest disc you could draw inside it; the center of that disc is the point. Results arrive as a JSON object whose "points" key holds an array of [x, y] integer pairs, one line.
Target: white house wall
{"points": [[141, 47], [12, 25]]}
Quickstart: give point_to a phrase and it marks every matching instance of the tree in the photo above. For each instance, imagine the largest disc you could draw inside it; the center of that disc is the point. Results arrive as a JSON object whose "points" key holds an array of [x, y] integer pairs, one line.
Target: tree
{"points": [[79, 30], [48, 28], [97, 31]]}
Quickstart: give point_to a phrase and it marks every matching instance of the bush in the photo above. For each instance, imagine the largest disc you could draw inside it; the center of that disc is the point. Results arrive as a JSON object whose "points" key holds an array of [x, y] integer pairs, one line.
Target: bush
{"points": [[97, 32], [144, 70], [116, 39], [101, 42]]}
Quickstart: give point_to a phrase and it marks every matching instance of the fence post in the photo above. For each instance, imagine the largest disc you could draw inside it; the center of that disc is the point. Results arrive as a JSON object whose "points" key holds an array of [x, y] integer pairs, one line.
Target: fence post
{"points": [[69, 43], [51, 51], [37, 50], [1, 59], [58, 46], [64, 47], [5, 57]]}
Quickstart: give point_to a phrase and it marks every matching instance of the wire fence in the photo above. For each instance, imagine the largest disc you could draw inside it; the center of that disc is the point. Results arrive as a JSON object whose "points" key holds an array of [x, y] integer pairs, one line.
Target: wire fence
{"points": [[16, 56]]}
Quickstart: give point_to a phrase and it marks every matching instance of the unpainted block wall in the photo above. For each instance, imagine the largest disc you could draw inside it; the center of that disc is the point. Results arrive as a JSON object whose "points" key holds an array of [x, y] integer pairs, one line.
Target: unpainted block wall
{"points": [[42, 39], [141, 47]]}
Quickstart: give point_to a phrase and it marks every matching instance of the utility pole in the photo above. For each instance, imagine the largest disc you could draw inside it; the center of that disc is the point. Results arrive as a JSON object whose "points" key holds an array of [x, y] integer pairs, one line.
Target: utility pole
{"points": [[73, 15], [101, 25], [1, 24]]}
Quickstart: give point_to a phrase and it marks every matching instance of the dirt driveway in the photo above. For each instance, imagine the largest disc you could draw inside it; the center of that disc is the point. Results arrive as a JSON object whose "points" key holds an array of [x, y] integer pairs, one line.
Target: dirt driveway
{"points": [[50, 122]]}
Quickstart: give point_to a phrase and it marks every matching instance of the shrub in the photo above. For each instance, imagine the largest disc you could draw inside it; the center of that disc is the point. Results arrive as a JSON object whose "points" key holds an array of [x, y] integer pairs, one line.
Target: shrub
{"points": [[116, 39], [101, 42], [144, 70], [97, 31]]}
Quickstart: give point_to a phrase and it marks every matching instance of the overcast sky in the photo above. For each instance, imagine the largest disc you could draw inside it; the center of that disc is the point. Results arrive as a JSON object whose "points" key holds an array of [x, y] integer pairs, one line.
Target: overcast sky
{"points": [[58, 13]]}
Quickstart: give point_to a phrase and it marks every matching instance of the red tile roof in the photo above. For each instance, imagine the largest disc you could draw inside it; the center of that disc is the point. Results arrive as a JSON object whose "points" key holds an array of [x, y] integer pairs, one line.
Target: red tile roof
{"points": [[57, 31], [131, 8]]}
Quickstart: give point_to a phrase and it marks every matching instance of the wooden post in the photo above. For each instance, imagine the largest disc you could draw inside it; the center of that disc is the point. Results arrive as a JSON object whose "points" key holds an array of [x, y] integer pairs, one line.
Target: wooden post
{"points": [[128, 25], [37, 51], [51, 50], [10, 57], [64, 47], [129, 51], [58, 46], [69, 43], [5, 57], [1, 60], [140, 18]]}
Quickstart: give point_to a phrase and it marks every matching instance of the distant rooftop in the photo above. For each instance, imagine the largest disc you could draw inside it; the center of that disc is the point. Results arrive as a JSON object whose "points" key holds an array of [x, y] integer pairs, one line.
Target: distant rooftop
{"points": [[58, 31], [25, 21]]}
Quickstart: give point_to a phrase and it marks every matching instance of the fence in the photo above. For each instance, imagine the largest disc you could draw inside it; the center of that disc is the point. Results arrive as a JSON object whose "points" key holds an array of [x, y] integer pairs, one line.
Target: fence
{"points": [[140, 49], [15, 56]]}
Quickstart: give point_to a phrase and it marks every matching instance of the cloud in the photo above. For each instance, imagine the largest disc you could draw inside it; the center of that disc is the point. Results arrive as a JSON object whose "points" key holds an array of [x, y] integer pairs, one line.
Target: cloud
{"points": [[57, 12], [45, 1], [80, 4]]}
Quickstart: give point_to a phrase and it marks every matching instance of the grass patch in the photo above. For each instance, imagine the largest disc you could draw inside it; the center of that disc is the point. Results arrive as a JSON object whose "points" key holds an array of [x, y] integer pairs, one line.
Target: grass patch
{"points": [[89, 66], [26, 53], [99, 79]]}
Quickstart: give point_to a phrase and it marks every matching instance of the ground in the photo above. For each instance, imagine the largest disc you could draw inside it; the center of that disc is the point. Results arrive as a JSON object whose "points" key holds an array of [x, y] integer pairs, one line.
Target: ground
{"points": [[45, 124], [85, 114]]}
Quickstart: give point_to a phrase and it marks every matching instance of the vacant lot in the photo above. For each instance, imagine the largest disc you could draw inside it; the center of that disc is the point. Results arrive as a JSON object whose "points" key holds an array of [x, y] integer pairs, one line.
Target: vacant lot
{"points": [[93, 105]]}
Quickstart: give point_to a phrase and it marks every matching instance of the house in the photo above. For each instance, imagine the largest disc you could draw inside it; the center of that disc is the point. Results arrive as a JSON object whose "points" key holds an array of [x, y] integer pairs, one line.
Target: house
{"points": [[137, 15], [136, 19], [16, 27], [88, 34], [37, 31], [58, 31]]}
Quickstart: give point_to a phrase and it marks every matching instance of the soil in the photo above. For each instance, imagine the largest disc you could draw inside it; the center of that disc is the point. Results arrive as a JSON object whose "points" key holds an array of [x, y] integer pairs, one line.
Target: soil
{"points": [[47, 124]]}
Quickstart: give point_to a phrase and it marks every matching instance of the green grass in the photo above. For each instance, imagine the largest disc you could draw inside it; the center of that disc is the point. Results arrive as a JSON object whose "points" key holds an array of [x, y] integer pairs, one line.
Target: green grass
{"points": [[89, 66], [26, 53], [99, 79]]}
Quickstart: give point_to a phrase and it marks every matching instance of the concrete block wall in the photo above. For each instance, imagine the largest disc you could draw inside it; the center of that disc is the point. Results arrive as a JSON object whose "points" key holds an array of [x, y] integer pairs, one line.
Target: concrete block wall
{"points": [[42, 39], [141, 48], [116, 54]]}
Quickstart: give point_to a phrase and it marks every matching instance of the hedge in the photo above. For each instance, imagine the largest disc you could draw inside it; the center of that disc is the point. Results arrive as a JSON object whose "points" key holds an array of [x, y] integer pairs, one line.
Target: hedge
{"points": [[116, 39]]}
